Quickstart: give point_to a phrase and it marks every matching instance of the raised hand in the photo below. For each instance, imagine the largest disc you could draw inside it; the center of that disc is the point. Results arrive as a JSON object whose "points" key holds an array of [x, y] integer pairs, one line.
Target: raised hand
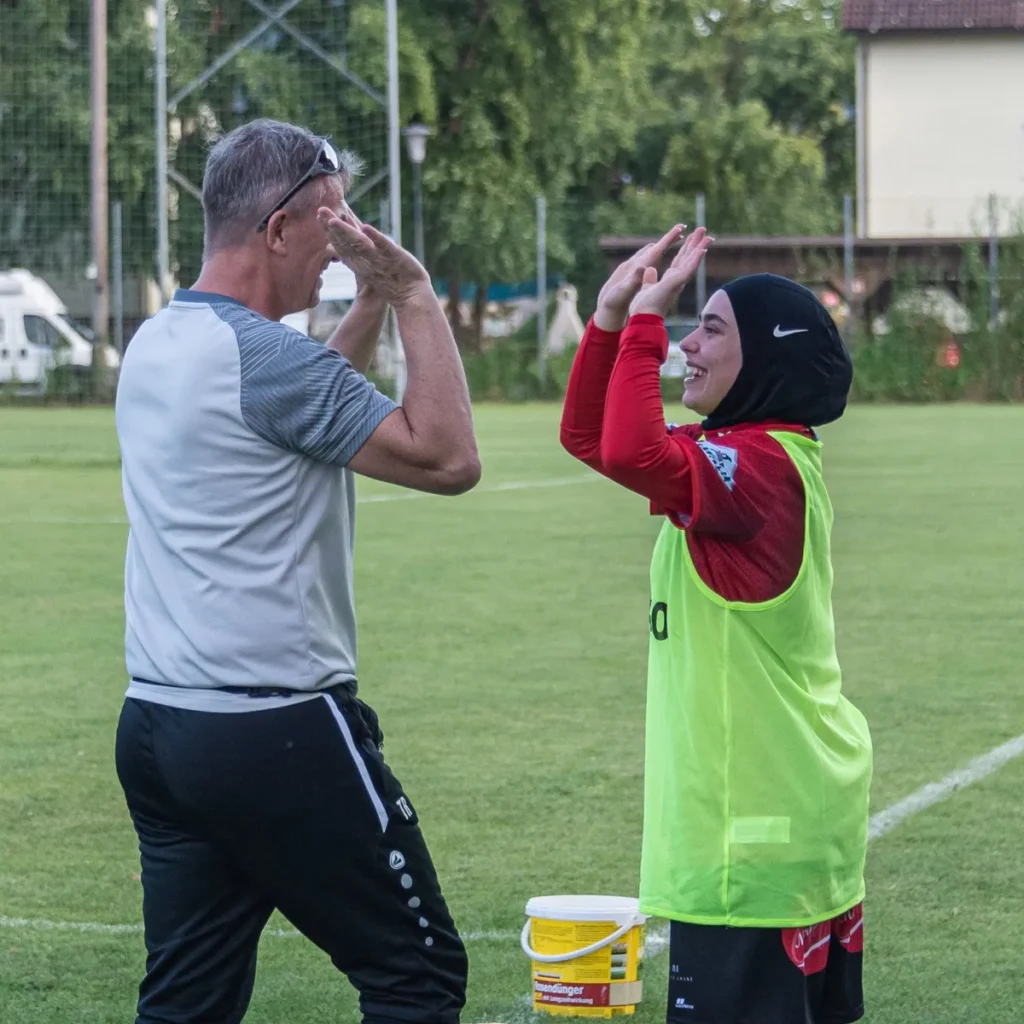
{"points": [[620, 289], [378, 263], [660, 297]]}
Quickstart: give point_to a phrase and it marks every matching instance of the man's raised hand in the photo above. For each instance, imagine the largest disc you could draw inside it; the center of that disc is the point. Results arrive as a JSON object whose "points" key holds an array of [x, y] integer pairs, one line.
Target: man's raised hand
{"points": [[377, 262]]}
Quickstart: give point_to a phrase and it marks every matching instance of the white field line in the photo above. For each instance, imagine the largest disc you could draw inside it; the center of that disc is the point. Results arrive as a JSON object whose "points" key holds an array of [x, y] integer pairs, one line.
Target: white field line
{"points": [[368, 499], [522, 1012], [934, 792], [657, 942]]}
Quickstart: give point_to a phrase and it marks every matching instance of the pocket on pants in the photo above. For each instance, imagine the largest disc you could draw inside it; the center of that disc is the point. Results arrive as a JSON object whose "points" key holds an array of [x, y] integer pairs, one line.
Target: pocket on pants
{"points": [[370, 721], [384, 791], [398, 804]]}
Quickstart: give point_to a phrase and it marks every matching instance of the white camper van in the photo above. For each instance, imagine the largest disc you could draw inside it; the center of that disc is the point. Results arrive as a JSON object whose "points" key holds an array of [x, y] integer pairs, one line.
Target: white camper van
{"points": [[37, 334]]}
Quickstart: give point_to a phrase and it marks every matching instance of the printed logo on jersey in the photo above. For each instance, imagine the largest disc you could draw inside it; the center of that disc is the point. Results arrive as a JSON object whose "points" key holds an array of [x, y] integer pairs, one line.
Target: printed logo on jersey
{"points": [[396, 860], [723, 459]]}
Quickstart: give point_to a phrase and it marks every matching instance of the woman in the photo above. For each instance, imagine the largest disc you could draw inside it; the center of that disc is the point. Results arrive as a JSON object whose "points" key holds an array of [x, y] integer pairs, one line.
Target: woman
{"points": [[757, 768]]}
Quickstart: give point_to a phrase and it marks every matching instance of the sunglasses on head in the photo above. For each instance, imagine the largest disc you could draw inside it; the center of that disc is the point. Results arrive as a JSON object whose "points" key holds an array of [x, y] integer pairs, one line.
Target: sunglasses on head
{"points": [[328, 161]]}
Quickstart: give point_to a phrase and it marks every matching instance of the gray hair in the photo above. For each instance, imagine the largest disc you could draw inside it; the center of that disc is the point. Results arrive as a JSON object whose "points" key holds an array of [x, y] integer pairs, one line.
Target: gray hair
{"points": [[251, 168]]}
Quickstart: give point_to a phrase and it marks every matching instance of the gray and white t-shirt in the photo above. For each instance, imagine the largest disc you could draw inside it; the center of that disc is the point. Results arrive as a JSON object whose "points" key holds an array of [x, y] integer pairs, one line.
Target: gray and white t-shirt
{"points": [[234, 433]]}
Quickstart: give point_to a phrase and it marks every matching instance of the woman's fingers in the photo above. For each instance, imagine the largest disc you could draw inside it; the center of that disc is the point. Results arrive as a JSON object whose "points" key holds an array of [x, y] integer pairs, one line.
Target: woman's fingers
{"points": [[685, 266], [652, 253], [640, 270], [659, 296], [667, 240], [689, 246], [639, 259]]}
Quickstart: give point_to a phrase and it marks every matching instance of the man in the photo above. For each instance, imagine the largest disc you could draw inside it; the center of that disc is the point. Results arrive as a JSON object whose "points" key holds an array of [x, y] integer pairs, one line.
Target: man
{"points": [[252, 773]]}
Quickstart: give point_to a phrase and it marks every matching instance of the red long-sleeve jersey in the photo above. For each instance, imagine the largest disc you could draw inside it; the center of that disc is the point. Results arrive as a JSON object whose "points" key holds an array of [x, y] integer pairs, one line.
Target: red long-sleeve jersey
{"points": [[734, 491]]}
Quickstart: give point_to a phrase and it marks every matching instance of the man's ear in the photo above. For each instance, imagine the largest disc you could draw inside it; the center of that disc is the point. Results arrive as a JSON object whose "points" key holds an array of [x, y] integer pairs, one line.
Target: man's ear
{"points": [[275, 236]]}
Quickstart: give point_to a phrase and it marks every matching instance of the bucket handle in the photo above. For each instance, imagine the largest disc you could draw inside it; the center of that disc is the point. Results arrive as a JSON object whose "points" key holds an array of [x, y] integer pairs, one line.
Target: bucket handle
{"points": [[559, 958]]}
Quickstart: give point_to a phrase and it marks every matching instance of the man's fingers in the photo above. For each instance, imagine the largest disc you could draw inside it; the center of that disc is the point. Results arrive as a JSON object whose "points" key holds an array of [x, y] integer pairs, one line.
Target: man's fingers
{"points": [[344, 223], [327, 216], [350, 215], [335, 225], [348, 242], [380, 240]]}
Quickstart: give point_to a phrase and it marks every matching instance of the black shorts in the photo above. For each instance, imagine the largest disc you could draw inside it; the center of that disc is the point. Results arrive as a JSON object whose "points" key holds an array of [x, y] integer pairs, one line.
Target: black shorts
{"points": [[294, 809], [812, 975]]}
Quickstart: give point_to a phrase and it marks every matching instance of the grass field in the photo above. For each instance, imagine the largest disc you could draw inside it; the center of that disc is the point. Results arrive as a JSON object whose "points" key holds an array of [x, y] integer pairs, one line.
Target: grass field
{"points": [[503, 640]]}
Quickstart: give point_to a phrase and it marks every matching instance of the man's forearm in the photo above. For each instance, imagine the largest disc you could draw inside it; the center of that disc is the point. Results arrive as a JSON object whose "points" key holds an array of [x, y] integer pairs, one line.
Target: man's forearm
{"points": [[436, 401], [357, 335]]}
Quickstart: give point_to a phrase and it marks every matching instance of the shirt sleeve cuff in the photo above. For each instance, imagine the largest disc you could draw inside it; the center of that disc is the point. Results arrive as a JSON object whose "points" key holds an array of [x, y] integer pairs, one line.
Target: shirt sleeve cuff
{"points": [[650, 319], [378, 408], [602, 337], [647, 332]]}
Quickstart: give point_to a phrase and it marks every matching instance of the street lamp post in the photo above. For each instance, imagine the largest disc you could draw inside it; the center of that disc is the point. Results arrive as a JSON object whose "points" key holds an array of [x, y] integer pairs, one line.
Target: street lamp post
{"points": [[416, 136]]}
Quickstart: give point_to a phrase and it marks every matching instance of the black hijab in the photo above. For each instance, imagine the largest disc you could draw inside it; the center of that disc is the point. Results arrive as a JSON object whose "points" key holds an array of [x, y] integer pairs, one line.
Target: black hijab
{"points": [[796, 368]]}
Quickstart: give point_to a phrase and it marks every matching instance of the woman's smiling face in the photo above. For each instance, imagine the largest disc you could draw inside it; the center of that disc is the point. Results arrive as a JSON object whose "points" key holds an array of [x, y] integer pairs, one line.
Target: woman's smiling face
{"points": [[713, 356]]}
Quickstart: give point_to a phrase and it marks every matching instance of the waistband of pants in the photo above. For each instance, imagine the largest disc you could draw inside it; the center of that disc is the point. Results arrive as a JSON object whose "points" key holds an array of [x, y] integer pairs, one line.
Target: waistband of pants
{"points": [[342, 690]]}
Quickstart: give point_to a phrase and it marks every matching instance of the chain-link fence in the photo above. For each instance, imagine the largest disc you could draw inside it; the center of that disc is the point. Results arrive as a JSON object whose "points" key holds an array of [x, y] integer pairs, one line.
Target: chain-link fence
{"points": [[323, 63], [320, 63], [45, 143]]}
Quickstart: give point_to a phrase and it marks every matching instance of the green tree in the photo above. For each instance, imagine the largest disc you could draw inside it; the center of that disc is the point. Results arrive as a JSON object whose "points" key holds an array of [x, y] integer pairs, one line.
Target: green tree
{"points": [[802, 70], [759, 178], [750, 105], [276, 76], [44, 134], [530, 97], [747, 101], [618, 113]]}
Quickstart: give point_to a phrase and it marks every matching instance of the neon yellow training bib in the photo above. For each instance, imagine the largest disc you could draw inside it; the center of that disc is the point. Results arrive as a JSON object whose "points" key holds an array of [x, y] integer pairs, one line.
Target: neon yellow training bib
{"points": [[757, 767]]}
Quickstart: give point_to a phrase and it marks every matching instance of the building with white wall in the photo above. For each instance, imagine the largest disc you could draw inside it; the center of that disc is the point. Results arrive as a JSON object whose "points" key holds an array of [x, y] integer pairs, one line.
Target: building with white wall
{"points": [[940, 116]]}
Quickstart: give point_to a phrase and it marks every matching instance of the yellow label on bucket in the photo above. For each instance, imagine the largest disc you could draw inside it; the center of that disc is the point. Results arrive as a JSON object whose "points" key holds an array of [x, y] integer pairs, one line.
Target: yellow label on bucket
{"points": [[601, 984]]}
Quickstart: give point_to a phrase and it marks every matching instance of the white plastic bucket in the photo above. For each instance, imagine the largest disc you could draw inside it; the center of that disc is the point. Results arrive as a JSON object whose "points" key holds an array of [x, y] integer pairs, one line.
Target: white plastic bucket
{"points": [[585, 953]]}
